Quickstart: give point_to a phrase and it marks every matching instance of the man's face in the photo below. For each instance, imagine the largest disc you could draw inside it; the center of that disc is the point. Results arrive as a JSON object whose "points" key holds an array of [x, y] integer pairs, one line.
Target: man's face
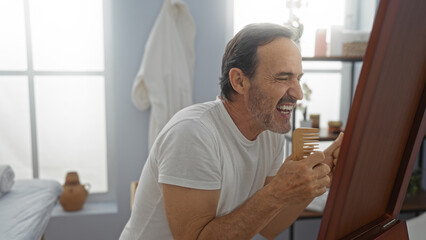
{"points": [[275, 88]]}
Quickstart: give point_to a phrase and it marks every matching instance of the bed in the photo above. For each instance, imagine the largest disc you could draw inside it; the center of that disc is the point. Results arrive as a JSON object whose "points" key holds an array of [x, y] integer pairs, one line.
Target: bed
{"points": [[25, 210]]}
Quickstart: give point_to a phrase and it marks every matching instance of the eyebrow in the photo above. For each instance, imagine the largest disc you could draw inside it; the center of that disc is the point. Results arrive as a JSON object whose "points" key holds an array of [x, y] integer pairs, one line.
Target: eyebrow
{"points": [[281, 74]]}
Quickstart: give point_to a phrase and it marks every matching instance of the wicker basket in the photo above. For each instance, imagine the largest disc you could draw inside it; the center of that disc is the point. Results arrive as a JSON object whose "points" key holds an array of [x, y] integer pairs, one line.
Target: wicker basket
{"points": [[354, 49]]}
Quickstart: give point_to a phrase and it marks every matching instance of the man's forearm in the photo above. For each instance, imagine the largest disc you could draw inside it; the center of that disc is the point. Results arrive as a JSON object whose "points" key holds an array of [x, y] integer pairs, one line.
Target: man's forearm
{"points": [[245, 221], [283, 220], [295, 183]]}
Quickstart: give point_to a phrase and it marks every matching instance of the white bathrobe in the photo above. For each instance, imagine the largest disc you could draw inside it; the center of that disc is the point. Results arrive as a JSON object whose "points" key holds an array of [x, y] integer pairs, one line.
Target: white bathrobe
{"points": [[166, 74]]}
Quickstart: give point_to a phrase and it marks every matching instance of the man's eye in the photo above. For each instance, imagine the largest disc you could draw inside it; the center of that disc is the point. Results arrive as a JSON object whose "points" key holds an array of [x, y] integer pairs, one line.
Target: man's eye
{"points": [[282, 79]]}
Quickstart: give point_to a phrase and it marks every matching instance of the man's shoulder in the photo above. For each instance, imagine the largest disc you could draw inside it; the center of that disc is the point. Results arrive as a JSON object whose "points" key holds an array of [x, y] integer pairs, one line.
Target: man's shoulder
{"points": [[200, 112], [190, 126], [199, 109], [193, 117]]}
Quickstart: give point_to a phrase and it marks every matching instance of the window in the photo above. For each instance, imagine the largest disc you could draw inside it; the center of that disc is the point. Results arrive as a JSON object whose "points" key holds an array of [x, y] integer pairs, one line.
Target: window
{"points": [[52, 90], [324, 78]]}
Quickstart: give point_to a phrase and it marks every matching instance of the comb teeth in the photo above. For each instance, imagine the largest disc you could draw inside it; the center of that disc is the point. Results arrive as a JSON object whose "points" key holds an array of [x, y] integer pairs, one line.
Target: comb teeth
{"points": [[305, 141]]}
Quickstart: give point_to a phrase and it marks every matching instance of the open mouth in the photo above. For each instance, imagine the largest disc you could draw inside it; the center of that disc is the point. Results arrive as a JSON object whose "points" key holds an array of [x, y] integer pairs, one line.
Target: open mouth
{"points": [[285, 108]]}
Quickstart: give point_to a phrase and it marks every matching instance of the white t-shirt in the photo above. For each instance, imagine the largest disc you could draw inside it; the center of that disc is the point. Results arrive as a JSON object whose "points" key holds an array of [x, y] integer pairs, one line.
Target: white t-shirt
{"points": [[201, 148]]}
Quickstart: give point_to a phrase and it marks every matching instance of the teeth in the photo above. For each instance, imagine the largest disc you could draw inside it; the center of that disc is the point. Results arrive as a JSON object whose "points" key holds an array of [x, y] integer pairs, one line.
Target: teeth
{"points": [[286, 107]]}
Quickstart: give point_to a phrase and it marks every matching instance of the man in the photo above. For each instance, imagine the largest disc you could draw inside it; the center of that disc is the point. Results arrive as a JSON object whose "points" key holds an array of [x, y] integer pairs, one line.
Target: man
{"points": [[216, 170]]}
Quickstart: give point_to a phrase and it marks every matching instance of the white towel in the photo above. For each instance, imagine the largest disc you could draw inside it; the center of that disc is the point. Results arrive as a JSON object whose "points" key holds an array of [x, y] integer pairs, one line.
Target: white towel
{"points": [[7, 178], [166, 75]]}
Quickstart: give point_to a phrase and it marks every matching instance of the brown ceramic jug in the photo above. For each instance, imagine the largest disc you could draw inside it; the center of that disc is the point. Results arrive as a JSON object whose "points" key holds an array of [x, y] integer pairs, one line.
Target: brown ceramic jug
{"points": [[75, 194]]}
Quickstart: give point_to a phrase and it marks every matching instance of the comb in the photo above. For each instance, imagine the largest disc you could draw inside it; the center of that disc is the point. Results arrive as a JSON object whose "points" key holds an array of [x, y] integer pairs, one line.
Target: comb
{"points": [[305, 141]]}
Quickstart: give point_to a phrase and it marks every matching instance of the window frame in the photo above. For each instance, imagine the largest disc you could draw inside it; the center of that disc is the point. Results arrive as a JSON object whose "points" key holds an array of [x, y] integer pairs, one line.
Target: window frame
{"points": [[30, 73]]}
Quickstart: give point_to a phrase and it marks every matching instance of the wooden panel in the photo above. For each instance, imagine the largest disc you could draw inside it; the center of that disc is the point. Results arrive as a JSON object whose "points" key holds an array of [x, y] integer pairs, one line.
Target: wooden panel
{"points": [[396, 232], [382, 133]]}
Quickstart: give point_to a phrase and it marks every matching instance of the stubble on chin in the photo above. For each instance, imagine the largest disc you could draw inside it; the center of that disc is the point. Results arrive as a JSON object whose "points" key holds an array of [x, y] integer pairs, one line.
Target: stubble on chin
{"points": [[260, 106], [285, 128], [260, 109]]}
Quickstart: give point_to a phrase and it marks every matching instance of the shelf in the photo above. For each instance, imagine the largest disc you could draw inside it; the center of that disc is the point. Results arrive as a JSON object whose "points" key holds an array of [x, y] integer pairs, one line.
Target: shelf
{"points": [[415, 203], [323, 136], [333, 58], [351, 60], [95, 208]]}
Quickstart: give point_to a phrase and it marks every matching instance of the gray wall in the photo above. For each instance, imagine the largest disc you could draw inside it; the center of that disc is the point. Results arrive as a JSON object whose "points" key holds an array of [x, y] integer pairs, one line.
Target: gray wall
{"points": [[132, 21]]}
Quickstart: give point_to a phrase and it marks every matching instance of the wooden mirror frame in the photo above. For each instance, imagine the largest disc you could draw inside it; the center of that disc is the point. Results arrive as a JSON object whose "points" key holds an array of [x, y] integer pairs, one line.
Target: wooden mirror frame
{"points": [[385, 128]]}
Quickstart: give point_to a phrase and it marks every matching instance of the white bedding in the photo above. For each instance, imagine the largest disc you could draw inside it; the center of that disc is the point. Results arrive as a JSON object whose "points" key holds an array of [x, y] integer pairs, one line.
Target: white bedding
{"points": [[25, 210]]}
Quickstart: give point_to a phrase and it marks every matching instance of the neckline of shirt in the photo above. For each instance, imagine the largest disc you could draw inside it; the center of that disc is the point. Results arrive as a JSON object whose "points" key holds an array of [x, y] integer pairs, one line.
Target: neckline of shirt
{"points": [[233, 127]]}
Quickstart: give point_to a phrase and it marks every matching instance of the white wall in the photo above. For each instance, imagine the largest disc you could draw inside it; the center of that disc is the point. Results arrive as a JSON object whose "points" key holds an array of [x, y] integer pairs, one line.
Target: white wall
{"points": [[132, 21]]}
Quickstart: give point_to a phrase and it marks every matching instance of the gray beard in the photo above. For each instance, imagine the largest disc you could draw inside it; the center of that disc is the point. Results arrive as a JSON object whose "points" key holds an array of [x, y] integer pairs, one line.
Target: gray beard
{"points": [[256, 105]]}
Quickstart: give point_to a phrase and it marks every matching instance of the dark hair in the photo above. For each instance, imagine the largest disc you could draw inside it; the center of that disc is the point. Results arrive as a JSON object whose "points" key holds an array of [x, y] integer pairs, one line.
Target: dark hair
{"points": [[241, 51]]}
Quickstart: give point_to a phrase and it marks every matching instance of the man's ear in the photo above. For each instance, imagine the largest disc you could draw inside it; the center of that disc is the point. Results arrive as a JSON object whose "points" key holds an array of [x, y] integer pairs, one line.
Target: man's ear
{"points": [[240, 83]]}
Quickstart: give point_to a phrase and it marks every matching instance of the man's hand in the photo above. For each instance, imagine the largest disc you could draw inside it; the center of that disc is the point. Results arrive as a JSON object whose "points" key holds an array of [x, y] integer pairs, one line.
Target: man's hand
{"points": [[331, 154], [301, 181]]}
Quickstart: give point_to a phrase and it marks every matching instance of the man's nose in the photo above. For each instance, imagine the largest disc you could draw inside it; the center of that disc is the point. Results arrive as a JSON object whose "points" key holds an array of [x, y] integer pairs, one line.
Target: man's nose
{"points": [[296, 91]]}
